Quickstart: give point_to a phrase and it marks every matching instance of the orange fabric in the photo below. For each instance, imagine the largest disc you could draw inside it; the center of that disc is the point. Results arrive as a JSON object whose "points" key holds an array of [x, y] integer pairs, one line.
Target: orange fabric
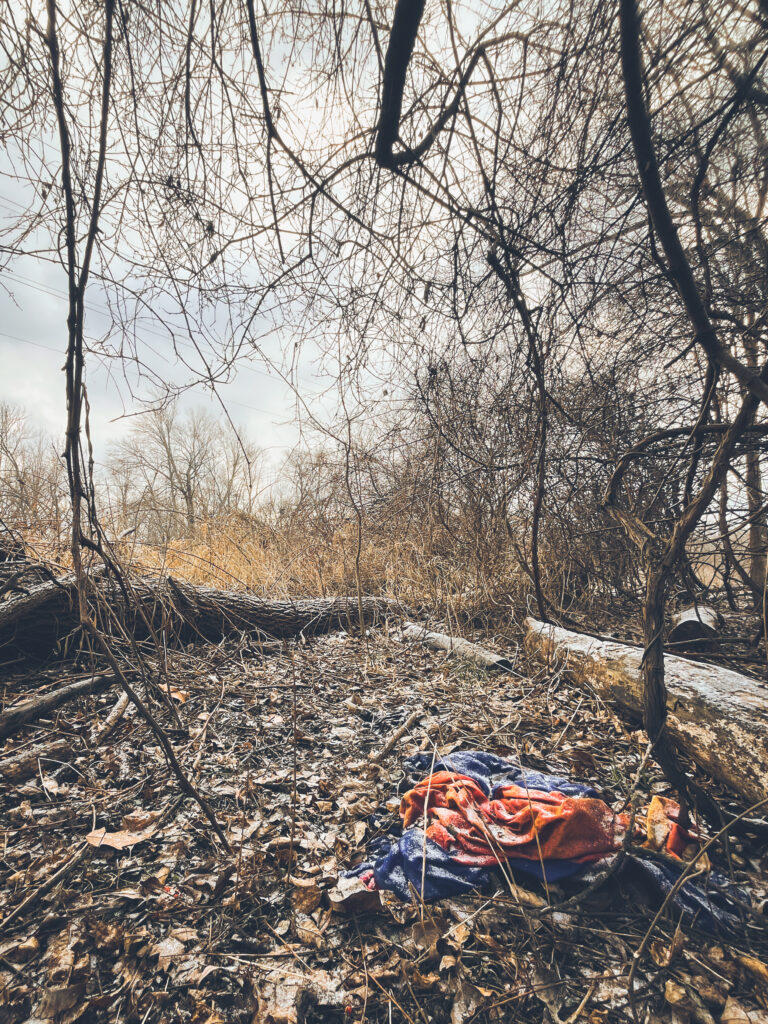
{"points": [[527, 823]]}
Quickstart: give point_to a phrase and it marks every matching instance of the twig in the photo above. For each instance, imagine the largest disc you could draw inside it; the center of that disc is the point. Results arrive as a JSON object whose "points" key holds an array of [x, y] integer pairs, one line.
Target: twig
{"points": [[46, 887], [396, 736], [587, 996]]}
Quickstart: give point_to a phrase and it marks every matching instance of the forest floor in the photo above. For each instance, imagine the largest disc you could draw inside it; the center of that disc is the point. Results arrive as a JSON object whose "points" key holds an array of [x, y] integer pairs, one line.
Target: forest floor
{"points": [[135, 912]]}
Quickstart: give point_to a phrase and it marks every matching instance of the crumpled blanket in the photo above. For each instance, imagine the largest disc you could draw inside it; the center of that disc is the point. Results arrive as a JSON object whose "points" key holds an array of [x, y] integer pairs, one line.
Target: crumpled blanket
{"points": [[483, 813]]}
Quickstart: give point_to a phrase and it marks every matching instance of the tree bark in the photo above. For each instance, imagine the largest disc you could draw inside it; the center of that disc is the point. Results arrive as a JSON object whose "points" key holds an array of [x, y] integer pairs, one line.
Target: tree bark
{"points": [[716, 716], [457, 645], [30, 710], [31, 625]]}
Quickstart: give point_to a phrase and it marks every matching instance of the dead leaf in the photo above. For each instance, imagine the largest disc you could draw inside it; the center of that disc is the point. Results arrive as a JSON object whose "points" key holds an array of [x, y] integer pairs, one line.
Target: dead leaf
{"points": [[199, 972], [466, 1003], [306, 895], [60, 957], [117, 840], [701, 986], [350, 896], [139, 820], [549, 989], [24, 950], [401, 912], [182, 696], [612, 992], [56, 1001], [663, 952], [107, 936], [458, 935], [167, 951], [50, 785], [425, 982], [658, 824], [285, 998], [755, 967], [358, 830], [214, 1017], [308, 933], [735, 1013], [426, 934]]}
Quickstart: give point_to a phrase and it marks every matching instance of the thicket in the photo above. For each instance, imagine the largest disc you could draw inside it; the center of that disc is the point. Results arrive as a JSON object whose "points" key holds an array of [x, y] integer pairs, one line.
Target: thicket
{"points": [[527, 244]]}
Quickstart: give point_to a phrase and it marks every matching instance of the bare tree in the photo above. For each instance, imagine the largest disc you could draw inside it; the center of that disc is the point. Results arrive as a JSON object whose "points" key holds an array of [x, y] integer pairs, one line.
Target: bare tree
{"points": [[32, 482], [544, 231], [176, 471]]}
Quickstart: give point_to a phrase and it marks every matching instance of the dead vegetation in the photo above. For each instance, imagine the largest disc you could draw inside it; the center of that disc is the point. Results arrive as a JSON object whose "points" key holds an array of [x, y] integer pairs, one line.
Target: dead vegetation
{"points": [[524, 251], [122, 905]]}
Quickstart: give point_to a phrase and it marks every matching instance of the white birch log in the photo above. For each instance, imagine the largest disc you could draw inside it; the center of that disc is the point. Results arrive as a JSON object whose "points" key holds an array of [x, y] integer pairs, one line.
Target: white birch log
{"points": [[717, 716], [464, 649]]}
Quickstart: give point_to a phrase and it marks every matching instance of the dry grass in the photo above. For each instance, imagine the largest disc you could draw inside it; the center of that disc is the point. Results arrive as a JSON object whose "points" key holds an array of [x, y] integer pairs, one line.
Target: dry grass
{"points": [[462, 577], [308, 562]]}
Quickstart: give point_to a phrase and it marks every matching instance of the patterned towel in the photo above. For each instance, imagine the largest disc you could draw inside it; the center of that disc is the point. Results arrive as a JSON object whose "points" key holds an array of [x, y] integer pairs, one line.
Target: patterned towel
{"points": [[477, 812]]}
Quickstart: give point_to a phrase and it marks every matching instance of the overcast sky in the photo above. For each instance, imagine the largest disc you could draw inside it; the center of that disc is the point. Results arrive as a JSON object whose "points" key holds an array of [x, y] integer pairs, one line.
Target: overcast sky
{"points": [[33, 304], [32, 347]]}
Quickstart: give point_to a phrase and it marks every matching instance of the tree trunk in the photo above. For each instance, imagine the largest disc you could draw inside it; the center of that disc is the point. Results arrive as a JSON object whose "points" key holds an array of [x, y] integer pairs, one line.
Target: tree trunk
{"points": [[31, 625], [716, 716], [758, 532]]}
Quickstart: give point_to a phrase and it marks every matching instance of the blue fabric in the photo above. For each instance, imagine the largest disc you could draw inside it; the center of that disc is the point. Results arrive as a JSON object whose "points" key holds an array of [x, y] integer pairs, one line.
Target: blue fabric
{"points": [[398, 862], [491, 773], [402, 864], [713, 907]]}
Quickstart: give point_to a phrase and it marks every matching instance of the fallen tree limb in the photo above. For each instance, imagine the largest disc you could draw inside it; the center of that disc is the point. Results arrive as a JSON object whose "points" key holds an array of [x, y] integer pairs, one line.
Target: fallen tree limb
{"points": [[25, 763], [457, 645], [30, 710], [100, 732], [33, 623], [716, 716], [410, 721]]}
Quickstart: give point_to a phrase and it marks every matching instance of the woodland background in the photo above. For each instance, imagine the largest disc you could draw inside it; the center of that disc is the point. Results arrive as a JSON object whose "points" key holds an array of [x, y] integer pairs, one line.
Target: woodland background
{"points": [[458, 238], [510, 261]]}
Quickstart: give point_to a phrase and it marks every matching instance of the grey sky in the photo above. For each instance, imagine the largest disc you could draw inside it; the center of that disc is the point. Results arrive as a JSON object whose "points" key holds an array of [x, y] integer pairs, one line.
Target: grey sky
{"points": [[32, 346]]}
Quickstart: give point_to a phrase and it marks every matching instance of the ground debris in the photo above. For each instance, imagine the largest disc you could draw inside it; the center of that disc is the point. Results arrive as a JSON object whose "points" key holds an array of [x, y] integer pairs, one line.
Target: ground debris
{"points": [[155, 922]]}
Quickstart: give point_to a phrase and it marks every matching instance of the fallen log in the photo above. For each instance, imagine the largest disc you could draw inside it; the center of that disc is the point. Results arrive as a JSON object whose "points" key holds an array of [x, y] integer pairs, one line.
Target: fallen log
{"points": [[32, 624], [717, 716], [695, 626], [33, 709], [26, 762], [457, 645]]}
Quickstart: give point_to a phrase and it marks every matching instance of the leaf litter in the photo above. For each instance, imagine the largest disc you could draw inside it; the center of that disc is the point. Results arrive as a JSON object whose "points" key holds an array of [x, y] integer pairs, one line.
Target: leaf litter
{"points": [[153, 921]]}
